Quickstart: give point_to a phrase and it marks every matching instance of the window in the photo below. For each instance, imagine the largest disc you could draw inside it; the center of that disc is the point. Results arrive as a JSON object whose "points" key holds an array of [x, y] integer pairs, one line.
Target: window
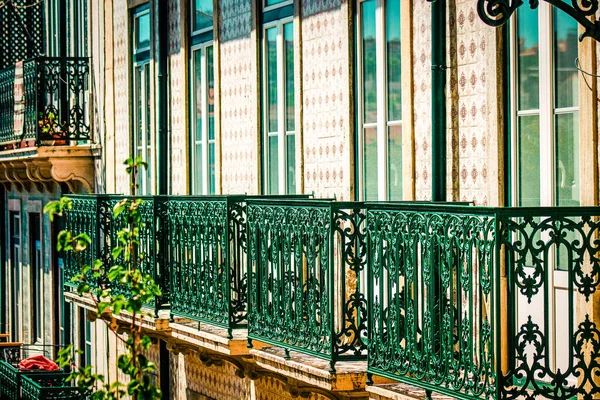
{"points": [[77, 34], [279, 110], [545, 129], [15, 272], [85, 338], [66, 28], [37, 274], [203, 99], [143, 140], [379, 101]]}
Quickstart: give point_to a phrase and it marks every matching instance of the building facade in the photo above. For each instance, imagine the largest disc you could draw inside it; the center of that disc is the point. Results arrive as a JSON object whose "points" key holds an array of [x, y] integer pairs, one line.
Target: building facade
{"points": [[331, 98]]}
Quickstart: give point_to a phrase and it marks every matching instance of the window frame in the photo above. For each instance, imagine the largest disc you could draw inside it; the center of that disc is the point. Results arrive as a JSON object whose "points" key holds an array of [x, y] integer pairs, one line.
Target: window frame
{"points": [[546, 111], [192, 16], [267, 8], [142, 58], [16, 262], [383, 123], [283, 134], [206, 141]]}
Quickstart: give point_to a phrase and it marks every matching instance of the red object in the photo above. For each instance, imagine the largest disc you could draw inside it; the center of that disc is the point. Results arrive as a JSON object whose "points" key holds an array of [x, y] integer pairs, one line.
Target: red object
{"points": [[38, 363]]}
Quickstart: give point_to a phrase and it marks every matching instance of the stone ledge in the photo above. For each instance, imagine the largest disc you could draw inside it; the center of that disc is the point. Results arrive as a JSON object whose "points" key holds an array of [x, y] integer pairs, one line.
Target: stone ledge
{"points": [[349, 375], [401, 391], [211, 337]]}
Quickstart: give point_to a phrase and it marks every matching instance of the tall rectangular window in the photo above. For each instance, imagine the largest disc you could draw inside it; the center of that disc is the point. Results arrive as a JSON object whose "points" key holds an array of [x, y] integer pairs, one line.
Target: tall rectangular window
{"points": [[15, 273], [379, 100], [545, 130], [37, 281], [203, 149], [143, 140], [278, 95]]}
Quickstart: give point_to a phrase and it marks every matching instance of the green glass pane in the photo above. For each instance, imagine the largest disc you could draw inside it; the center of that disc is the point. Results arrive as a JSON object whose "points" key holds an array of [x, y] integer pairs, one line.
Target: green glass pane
{"points": [[197, 82], [528, 59], [567, 162], [271, 89], [197, 172], [274, 2], [202, 17], [148, 102], [142, 31], [210, 72], [370, 164], [394, 69], [528, 163], [211, 169], [565, 52], [273, 157], [291, 164], [395, 162], [139, 105], [290, 112], [369, 61]]}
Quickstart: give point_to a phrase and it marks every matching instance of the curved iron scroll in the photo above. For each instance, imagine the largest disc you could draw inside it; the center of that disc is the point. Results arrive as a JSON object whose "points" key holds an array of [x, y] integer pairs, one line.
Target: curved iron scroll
{"points": [[497, 12]]}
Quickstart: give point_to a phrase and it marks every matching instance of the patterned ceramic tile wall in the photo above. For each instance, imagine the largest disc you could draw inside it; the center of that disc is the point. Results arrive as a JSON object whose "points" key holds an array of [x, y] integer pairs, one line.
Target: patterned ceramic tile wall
{"points": [[178, 103], [269, 388], [326, 99], [470, 54], [239, 99], [422, 97], [215, 382], [121, 84]]}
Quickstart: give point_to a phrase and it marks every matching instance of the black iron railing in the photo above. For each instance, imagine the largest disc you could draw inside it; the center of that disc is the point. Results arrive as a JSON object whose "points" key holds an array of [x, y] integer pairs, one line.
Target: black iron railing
{"points": [[44, 102]]}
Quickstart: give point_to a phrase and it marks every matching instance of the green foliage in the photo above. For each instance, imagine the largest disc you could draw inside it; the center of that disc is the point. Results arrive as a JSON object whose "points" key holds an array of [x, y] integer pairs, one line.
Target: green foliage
{"points": [[141, 289]]}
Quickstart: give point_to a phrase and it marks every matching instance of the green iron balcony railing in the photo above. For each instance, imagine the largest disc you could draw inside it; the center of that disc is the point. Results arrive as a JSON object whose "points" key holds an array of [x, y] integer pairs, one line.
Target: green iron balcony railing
{"points": [[93, 214], [305, 260], [206, 253], [485, 303], [44, 101]]}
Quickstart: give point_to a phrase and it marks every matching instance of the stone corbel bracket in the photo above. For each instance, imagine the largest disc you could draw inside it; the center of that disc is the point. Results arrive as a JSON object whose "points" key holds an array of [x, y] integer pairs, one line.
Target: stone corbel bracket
{"points": [[49, 166]]}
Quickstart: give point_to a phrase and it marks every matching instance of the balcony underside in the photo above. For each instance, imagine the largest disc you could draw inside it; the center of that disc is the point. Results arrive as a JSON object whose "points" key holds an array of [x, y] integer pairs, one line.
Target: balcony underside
{"points": [[45, 167]]}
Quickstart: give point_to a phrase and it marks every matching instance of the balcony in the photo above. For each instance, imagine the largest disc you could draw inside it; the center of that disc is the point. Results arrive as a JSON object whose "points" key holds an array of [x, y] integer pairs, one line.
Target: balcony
{"points": [[45, 129], [470, 302]]}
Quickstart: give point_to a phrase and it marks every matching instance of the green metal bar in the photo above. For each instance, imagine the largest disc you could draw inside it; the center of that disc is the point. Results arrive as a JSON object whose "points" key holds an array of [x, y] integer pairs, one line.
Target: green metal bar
{"points": [[438, 100]]}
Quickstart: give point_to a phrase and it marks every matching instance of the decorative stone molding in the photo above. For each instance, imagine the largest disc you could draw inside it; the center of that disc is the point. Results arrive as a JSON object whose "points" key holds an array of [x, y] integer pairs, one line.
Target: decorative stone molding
{"points": [[45, 167]]}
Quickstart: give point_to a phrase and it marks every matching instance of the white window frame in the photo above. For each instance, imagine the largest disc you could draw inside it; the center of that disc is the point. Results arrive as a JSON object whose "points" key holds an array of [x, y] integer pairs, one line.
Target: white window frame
{"points": [[144, 175], [383, 124], [15, 273], [282, 133], [205, 142], [546, 112], [34, 207], [136, 17]]}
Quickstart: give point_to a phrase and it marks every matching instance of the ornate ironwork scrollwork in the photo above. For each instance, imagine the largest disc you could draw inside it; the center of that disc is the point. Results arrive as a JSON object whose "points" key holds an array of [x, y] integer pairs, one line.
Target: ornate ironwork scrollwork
{"points": [[498, 12]]}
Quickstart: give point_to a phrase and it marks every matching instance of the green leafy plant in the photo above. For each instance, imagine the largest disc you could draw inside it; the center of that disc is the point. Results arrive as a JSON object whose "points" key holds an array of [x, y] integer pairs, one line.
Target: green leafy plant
{"points": [[140, 289]]}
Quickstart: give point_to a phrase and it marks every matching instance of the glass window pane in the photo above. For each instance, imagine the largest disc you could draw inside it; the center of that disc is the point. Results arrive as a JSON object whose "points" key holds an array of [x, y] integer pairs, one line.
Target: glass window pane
{"points": [[139, 105], [271, 89], [197, 90], [528, 163], [567, 163], [210, 76], [148, 102], [370, 163], [565, 53], [273, 2], [291, 163], [395, 162], [394, 71], [288, 37], [212, 187], [369, 62], [202, 17], [528, 59], [142, 31], [197, 164], [273, 157]]}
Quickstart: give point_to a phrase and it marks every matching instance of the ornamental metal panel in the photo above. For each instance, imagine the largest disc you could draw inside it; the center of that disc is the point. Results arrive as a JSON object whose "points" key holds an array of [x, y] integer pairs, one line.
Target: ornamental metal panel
{"points": [[21, 31]]}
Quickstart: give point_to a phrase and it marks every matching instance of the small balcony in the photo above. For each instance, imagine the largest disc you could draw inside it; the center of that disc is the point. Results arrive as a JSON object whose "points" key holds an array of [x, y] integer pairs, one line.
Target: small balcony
{"points": [[45, 129], [470, 302]]}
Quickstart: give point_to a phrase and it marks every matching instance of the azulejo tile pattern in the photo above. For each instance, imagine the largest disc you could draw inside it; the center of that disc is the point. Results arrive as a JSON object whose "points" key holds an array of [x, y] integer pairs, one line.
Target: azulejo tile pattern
{"points": [[239, 99], [326, 99]]}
